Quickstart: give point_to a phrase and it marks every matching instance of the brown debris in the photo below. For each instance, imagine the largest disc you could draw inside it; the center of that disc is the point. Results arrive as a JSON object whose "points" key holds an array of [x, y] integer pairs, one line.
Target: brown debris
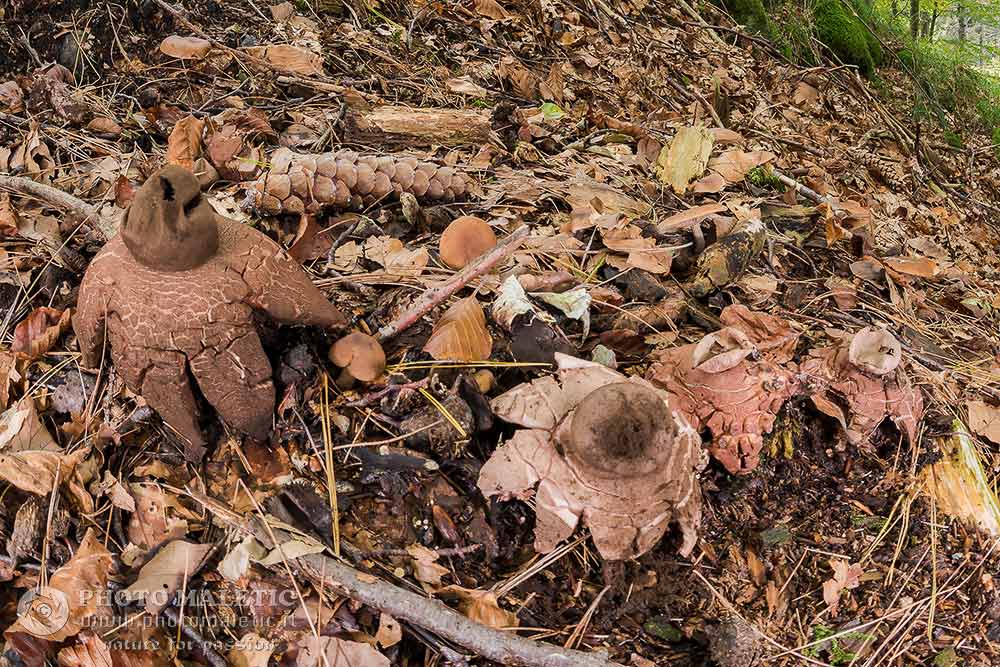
{"points": [[170, 307], [864, 374], [298, 183], [602, 448], [733, 382]]}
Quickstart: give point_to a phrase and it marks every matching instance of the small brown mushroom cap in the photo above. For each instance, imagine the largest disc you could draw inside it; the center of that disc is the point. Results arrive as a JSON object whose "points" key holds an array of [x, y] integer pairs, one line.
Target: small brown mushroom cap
{"points": [[360, 355], [465, 239]]}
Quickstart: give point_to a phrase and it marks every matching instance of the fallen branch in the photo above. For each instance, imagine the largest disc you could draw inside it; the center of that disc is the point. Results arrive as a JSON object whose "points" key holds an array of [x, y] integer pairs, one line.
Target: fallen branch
{"points": [[505, 648], [435, 297], [806, 192], [49, 195]]}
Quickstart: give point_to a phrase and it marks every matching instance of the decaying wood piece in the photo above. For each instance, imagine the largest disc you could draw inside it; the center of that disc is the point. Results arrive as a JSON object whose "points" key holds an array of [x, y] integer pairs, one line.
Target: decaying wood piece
{"points": [[299, 183], [401, 127]]}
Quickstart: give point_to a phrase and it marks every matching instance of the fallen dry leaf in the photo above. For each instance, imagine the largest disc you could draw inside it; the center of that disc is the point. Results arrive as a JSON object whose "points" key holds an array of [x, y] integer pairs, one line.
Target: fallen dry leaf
{"points": [[481, 607], [21, 429], [845, 577], [685, 158], [164, 574], [461, 333], [984, 420], [74, 594], [390, 632], [89, 651], [922, 267], [734, 165], [184, 142], [251, 650], [425, 567], [159, 517], [490, 9], [290, 59], [185, 48], [335, 652], [38, 332]]}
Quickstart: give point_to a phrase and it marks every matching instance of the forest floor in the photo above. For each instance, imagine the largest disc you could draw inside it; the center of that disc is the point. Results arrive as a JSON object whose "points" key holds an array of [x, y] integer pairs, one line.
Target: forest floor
{"points": [[642, 145]]}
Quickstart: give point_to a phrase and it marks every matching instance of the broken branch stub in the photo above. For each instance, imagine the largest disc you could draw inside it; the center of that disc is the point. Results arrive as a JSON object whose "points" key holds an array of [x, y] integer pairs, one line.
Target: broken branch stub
{"points": [[174, 309], [604, 448], [298, 183]]}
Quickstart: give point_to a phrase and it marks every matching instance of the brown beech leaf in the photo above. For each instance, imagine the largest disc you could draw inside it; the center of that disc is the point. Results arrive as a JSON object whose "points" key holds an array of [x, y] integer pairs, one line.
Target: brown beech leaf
{"points": [[184, 142], [689, 218], [338, 653], [984, 420], [922, 267], [159, 517], [390, 632], [461, 333], [251, 650], [481, 606], [490, 9], [22, 430], [734, 165], [105, 127], [35, 471], [185, 48], [425, 568], [160, 578], [8, 376], [37, 333], [11, 97], [60, 610], [9, 222], [90, 651], [290, 59], [805, 94]]}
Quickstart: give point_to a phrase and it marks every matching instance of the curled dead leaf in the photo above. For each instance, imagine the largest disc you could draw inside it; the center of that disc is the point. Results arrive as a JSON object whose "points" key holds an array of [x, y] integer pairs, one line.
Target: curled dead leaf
{"points": [[184, 142], [482, 607], [290, 59], [461, 333], [163, 575], [36, 334]]}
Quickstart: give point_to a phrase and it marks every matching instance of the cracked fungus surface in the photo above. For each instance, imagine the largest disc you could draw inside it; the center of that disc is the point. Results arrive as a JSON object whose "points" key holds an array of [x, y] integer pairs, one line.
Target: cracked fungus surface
{"points": [[627, 491], [160, 324]]}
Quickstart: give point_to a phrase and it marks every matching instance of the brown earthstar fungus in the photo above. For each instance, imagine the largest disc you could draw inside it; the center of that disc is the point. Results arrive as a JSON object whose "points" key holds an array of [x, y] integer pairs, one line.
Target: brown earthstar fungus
{"points": [[600, 447], [466, 238], [176, 291], [733, 381], [298, 183], [360, 356], [860, 382]]}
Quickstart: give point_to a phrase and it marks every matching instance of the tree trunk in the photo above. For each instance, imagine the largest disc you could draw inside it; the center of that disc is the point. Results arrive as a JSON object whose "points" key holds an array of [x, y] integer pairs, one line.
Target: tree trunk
{"points": [[914, 18], [934, 16], [961, 22]]}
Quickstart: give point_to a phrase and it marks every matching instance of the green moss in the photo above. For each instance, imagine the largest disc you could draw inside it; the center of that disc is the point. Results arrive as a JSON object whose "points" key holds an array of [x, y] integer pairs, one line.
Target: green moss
{"points": [[751, 14], [841, 31], [954, 139]]}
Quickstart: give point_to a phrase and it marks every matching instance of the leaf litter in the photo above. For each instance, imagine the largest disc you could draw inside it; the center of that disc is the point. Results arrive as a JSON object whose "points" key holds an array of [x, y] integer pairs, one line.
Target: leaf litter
{"points": [[827, 350]]}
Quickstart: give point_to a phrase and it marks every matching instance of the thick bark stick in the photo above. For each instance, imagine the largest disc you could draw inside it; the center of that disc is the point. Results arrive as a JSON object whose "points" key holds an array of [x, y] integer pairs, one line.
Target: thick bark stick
{"points": [[408, 127], [434, 297], [505, 648]]}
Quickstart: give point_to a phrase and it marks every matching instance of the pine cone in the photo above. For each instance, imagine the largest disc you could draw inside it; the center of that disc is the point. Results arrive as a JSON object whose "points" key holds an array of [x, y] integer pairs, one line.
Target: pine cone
{"points": [[297, 183], [888, 171]]}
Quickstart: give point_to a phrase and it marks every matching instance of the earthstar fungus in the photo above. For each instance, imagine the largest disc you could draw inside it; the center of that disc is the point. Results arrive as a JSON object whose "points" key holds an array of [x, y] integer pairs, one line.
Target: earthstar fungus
{"points": [[176, 292], [601, 448]]}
